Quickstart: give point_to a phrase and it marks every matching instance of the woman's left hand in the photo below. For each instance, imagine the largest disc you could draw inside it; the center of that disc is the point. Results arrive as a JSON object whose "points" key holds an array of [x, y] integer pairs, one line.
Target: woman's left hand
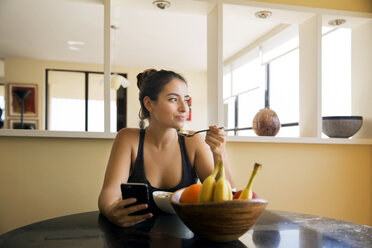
{"points": [[216, 139]]}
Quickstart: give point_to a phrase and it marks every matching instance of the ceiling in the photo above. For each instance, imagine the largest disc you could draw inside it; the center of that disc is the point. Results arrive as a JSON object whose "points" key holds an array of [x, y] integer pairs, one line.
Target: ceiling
{"points": [[174, 38]]}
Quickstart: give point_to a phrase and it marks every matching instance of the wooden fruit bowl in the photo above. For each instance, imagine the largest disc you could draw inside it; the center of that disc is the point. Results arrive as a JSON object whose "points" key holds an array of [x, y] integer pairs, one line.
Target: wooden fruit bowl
{"points": [[222, 221]]}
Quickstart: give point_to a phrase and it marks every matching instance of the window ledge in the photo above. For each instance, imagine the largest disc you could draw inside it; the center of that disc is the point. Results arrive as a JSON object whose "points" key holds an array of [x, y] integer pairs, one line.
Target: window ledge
{"points": [[301, 140], [56, 134], [250, 139]]}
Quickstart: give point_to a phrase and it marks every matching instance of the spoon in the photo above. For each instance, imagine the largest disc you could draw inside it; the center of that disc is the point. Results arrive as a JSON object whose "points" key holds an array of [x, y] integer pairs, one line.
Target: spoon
{"points": [[185, 133]]}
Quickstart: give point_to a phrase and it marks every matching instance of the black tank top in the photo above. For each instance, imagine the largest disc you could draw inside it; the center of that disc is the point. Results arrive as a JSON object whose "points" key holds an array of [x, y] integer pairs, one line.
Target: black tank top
{"points": [[138, 174]]}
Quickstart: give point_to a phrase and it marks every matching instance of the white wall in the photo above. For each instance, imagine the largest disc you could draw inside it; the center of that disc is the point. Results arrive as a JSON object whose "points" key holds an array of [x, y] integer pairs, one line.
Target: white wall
{"points": [[361, 77]]}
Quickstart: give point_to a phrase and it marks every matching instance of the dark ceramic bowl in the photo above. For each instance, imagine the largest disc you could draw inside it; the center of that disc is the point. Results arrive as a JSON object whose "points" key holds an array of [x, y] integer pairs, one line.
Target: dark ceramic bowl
{"points": [[341, 126]]}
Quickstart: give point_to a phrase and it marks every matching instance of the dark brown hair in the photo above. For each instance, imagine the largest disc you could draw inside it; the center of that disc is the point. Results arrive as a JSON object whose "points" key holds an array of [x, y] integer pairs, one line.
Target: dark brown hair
{"points": [[150, 83]]}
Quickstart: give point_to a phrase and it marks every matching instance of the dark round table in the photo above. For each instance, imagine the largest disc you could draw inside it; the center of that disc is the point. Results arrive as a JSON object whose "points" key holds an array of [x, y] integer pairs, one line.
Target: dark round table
{"points": [[274, 229]]}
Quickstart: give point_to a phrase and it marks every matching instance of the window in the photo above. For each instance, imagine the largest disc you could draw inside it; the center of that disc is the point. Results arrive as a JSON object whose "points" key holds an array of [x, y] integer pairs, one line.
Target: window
{"points": [[81, 109], [66, 106], [267, 76], [336, 71], [95, 103], [284, 92], [244, 91], [244, 84], [2, 105]]}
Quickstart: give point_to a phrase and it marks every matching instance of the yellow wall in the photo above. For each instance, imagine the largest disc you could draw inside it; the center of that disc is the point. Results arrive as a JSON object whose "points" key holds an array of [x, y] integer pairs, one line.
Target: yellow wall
{"points": [[41, 178], [327, 180]]}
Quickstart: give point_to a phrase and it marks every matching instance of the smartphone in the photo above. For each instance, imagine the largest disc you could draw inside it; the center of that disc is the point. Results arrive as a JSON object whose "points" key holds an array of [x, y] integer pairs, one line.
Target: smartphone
{"points": [[140, 191]]}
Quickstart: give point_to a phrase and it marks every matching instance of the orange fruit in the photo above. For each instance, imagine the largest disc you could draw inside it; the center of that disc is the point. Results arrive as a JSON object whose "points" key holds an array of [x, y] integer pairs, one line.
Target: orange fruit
{"points": [[190, 194]]}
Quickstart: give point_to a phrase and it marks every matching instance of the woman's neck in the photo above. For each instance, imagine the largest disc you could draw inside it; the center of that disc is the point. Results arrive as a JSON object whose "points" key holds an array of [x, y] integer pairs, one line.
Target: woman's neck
{"points": [[161, 137]]}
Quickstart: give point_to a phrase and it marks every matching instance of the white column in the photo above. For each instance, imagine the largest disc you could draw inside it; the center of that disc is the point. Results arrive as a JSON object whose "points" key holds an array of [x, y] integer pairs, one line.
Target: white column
{"points": [[214, 66], [310, 37], [107, 63], [361, 77]]}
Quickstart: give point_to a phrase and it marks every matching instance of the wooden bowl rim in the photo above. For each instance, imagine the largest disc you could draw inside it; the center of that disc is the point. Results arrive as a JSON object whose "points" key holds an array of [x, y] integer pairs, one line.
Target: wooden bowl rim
{"points": [[234, 201]]}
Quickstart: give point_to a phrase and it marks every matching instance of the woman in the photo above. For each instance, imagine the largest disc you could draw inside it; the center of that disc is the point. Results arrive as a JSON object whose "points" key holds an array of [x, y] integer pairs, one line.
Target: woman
{"points": [[157, 155]]}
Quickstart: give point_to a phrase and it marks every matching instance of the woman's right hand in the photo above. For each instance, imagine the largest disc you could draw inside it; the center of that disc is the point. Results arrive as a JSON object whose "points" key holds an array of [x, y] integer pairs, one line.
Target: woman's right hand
{"points": [[216, 139], [118, 213]]}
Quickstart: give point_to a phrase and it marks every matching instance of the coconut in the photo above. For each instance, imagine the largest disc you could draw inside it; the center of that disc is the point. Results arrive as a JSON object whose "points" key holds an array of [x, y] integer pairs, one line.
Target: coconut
{"points": [[266, 122]]}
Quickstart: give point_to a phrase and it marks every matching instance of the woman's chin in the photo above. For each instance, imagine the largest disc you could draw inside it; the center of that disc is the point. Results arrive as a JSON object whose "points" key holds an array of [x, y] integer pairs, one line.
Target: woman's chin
{"points": [[179, 126]]}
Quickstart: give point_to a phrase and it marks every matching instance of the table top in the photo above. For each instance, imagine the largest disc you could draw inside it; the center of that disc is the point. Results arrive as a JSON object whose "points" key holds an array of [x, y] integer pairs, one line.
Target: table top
{"points": [[274, 229]]}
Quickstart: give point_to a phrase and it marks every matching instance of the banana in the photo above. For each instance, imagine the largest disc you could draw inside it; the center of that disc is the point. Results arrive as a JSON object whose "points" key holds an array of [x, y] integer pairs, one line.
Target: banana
{"points": [[207, 189], [247, 192], [222, 191]]}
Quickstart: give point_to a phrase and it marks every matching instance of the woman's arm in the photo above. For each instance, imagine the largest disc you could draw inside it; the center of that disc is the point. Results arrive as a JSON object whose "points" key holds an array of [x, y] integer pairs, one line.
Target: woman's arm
{"points": [[216, 139], [209, 151], [110, 202], [203, 157]]}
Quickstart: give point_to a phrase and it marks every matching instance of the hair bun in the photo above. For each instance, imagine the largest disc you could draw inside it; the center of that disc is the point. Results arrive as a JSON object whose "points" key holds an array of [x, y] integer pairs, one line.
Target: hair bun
{"points": [[143, 75]]}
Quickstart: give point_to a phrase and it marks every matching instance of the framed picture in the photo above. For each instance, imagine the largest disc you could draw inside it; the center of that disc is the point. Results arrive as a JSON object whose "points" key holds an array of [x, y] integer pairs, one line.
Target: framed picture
{"points": [[26, 91], [27, 124]]}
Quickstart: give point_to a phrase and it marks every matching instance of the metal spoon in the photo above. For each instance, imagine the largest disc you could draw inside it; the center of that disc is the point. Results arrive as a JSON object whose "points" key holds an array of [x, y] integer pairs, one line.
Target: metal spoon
{"points": [[185, 133]]}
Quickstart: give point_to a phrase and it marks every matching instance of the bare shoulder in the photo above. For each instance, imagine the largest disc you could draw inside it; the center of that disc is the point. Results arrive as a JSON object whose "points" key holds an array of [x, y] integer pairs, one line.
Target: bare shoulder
{"points": [[129, 135], [128, 131]]}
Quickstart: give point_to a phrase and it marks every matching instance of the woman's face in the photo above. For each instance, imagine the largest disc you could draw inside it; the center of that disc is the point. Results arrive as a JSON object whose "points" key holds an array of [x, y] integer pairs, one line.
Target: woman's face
{"points": [[171, 108]]}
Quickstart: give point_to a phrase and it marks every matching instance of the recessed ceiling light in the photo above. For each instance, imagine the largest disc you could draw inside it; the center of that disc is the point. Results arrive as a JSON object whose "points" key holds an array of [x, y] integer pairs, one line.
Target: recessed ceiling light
{"points": [[263, 14], [72, 48], [75, 43], [336, 22], [161, 4]]}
